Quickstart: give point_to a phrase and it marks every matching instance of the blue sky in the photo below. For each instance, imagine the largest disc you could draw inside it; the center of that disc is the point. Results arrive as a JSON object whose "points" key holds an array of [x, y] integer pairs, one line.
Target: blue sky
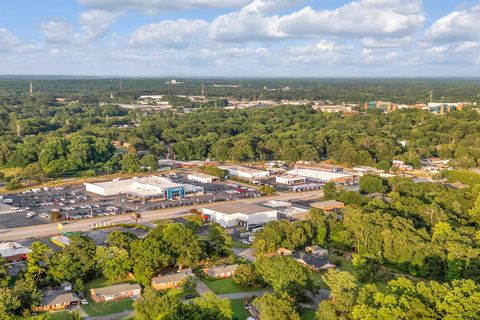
{"points": [[241, 37]]}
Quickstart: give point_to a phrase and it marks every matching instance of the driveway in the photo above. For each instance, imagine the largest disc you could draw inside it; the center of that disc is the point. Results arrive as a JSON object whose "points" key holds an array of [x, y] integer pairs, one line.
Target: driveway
{"points": [[248, 254], [202, 288], [241, 295]]}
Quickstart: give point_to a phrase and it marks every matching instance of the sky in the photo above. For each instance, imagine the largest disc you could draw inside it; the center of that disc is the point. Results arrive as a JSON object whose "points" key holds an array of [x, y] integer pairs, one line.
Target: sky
{"points": [[247, 38]]}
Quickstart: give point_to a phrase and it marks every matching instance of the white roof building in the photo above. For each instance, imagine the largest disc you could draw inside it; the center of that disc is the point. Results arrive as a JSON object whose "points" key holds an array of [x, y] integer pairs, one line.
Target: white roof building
{"points": [[322, 175], [145, 187], [290, 179], [245, 172], [230, 214], [202, 177]]}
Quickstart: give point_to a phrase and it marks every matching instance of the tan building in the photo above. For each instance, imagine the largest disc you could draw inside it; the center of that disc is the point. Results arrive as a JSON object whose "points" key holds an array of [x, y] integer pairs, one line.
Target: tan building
{"points": [[57, 300], [173, 280], [115, 292], [329, 205], [221, 272]]}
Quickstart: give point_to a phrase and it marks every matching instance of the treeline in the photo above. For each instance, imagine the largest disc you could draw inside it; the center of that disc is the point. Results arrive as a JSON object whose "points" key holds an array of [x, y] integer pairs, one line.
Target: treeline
{"points": [[29, 132]]}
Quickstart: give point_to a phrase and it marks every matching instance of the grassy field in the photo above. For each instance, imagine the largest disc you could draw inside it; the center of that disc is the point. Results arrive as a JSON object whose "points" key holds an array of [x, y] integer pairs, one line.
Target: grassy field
{"points": [[346, 264], [104, 308], [239, 311], [226, 286]]}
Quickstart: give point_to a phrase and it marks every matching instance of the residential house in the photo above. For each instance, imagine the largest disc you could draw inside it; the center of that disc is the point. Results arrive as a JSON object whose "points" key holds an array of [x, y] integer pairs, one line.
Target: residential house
{"points": [[54, 300], [13, 252], [172, 280], [221, 272], [317, 251], [115, 292], [313, 262]]}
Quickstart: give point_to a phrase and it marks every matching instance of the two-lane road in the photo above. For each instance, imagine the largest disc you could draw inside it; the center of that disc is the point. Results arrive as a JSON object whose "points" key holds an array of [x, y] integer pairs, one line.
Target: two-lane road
{"points": [[46, 230]]}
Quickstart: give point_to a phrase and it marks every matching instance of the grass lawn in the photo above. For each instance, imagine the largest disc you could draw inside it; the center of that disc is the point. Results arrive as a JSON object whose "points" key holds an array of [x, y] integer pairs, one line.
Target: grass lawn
{"points": [[59, 315], [307, 314], [226, 286], [346, 264], [238, 244], [239, 311], [108, 307]]}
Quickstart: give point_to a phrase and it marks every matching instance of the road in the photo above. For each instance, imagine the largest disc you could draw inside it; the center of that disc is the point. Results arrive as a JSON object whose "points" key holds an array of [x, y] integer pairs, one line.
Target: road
{"points": [[147, 216]]}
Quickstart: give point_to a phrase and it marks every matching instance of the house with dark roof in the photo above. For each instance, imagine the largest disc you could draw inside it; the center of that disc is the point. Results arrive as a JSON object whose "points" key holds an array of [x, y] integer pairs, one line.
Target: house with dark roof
{"points": [[115, 292], [54, 300], [172, 280], [313, 262]]}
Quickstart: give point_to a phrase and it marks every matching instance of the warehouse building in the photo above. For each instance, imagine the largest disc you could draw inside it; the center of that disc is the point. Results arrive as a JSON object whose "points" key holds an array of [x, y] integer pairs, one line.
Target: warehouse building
{"points": [[245, 172], [290, 179], [243, 214], [322, 175], [145, 188], [202, 177]]}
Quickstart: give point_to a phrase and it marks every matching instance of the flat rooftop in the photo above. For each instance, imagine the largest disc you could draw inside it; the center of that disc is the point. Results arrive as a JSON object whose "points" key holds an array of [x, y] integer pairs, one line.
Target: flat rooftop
{"points": [[318, 172], [147, 181], [242, 169], [238, 207], [202, 175], [9, 249]]}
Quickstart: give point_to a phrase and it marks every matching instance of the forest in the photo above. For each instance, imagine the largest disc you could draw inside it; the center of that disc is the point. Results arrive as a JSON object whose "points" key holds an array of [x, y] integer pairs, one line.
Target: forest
{"points": [[75, 138]]}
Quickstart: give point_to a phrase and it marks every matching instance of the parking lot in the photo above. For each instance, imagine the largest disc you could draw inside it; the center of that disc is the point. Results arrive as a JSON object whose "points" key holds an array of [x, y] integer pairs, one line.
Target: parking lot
{"points": [[35, 206]]}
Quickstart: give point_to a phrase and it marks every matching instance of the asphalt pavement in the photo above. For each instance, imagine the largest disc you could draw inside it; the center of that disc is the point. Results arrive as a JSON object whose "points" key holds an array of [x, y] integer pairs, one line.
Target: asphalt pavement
{"points": [[45, 230]]}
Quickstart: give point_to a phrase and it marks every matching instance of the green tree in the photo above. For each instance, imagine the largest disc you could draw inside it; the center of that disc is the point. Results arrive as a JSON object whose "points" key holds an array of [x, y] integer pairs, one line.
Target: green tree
{"points": [[37, 263], [247, 276], [149, 160], [274, 307], [121, 239], [114, 262], [343, 289], [329, 191], [372, 184], [285, 276], [130, 163]]}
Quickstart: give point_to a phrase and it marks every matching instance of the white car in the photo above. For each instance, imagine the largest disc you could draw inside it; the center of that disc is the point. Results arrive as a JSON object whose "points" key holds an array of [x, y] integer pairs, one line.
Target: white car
{"points": [[84, 301]]}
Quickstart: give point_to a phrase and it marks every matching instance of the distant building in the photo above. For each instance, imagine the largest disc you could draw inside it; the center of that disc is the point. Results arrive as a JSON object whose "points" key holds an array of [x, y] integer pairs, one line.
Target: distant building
{"points": [[442, 108], [231, 214], [115, 292], [172, 280], [13, 252], [383, 105], [221, 272], [332, 109], [245, 172], [322, 175]]}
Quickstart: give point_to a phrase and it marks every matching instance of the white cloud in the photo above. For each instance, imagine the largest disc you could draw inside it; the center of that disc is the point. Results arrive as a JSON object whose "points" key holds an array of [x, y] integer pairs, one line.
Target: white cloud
{"points": [[11, 43], [95, 23], [153, 6], [363, 18], [168, 33], [461, 25], [56, 31]]}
